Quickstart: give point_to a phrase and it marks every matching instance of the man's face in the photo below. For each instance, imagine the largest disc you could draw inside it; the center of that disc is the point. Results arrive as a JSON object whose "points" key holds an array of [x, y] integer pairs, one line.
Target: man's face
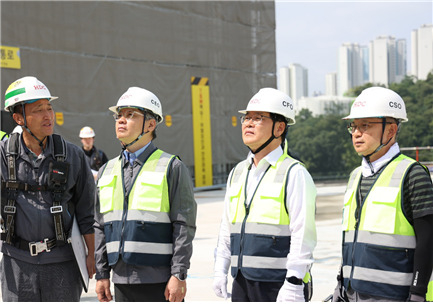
{"points": [[87, 143], [39, 118], [254, 134], [366, 142], [128, 130]]}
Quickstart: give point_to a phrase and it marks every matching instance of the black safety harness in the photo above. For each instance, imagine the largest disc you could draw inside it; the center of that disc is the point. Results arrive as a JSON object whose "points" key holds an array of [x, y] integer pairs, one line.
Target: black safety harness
{"points": [[58, 173]]}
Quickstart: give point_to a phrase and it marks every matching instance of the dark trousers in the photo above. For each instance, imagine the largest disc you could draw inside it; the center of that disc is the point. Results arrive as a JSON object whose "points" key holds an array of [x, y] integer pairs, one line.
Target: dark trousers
{"points": [[139, 292], [24, 282], [252, 291]]}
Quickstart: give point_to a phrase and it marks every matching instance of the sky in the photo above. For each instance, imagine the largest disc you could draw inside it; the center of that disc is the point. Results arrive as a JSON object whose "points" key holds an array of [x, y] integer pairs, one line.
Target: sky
{"points": [[310, 32]]}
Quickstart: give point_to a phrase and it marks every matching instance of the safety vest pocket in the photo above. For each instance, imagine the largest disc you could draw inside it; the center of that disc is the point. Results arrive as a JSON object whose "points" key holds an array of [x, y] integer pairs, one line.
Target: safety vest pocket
{"points": [[381, 210], [106, 185], [268, 209], [148, 193]]}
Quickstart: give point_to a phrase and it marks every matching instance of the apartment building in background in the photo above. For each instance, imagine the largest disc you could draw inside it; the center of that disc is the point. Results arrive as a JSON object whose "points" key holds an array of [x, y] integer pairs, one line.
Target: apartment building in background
{"points": [[293, 80], [422, 51], [352, 66]]}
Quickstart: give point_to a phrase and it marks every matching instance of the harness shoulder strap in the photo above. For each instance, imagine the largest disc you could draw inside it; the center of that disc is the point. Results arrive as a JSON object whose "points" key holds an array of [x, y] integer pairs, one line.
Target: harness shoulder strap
{"points": [[59, 148], [9, 209]]}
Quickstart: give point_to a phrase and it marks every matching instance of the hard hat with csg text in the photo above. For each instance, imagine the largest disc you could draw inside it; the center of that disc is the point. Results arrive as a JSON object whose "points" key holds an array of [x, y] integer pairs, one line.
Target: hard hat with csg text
{"points": [[87, 132], [136, 97], [378, 102], [27, 89], [273, 101]]}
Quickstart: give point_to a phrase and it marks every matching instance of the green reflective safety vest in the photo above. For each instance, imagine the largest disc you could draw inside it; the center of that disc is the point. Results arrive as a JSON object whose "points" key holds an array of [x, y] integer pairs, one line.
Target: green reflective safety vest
{"points": [[379, 244], [3, 135], [137, 224], [259, 233]]}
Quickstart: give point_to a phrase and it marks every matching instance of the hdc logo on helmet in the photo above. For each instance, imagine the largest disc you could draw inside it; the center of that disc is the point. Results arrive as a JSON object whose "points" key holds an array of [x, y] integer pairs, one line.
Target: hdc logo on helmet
{"points": [[359, 104], [288, 105], [39, 87], [394, 105], [125, 96]]}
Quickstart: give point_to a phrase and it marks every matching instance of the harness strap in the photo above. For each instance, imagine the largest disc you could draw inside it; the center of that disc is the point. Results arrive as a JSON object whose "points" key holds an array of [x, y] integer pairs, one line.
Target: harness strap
{"points": [[12, 192], [57, 184]]}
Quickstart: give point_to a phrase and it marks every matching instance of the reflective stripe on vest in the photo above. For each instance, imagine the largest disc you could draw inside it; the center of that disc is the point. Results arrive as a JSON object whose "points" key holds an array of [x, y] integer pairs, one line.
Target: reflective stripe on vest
{"points": [[142, 233], [260, 237], [378, 251]]}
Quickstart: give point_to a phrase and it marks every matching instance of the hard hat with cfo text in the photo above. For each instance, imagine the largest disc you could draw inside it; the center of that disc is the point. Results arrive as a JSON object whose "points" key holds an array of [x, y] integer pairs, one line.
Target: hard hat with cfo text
{"points": [[273, 101], [136, 97], [378, 102], [26, 90], [87, 132]]}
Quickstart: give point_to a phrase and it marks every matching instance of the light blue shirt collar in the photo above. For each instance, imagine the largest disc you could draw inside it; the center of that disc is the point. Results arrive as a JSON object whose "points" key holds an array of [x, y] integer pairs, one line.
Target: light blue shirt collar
{"points": [[137, 153]]}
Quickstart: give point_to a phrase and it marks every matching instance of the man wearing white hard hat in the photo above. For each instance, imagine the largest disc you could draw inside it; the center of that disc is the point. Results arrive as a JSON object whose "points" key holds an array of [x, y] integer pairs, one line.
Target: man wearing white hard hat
{"points": [[46, 182], [388, 209], [268, 229], [145, 211], [95, 157]]}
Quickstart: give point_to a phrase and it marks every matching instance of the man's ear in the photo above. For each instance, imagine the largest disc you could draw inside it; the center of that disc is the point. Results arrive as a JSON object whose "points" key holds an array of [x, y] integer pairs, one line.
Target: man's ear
{"points": [[152, 125], [279, 128], [18, 118]]}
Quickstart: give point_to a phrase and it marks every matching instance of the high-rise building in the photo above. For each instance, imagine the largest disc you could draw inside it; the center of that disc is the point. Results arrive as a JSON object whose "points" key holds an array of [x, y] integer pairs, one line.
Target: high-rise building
{"points": [[401, 66], [331, 83], [387, 60], [422, 51], [293, 80], [283, 80], [352, 67]]}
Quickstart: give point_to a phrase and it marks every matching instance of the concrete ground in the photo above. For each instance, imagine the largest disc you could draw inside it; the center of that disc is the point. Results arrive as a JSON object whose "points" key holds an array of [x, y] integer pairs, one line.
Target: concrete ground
{"points": [[327, 253]]}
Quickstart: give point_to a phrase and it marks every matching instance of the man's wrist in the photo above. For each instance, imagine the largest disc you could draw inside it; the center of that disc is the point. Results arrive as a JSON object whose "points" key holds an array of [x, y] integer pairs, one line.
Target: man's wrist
{"points": [[294, 280], [181, 276]]}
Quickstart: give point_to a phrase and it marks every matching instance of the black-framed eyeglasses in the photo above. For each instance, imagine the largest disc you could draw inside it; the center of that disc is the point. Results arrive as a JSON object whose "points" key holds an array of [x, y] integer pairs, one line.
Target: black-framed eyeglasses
{"points": [[363, 127], [127, 114], [256, 119]]}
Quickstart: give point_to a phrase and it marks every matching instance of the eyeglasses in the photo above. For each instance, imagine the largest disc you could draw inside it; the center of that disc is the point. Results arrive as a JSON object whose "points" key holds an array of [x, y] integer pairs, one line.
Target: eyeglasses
{"points": [[256, 119], [128, 115], [362, 127]]}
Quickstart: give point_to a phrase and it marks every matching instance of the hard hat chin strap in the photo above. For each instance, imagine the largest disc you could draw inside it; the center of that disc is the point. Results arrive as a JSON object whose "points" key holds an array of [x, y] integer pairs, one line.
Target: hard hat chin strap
{"points": [[125, 146], [267, 142], [41, 143], [367, 157]]}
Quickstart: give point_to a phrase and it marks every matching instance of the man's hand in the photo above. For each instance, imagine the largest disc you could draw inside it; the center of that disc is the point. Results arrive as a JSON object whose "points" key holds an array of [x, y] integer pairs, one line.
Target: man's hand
{"points": [[175, 290], [103, 290]]}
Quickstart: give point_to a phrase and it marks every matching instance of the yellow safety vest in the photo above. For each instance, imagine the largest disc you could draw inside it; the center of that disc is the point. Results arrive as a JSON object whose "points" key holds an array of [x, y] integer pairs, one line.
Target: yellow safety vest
{"points": [[3, 135], [378, 246], [137, 224], [259, 233]]}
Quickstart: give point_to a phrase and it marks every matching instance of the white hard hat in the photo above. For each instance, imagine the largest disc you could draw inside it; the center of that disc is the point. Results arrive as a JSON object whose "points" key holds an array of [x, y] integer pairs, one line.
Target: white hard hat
{"points": [[378, 102], [27, 89], [136, 97], [87, 132], [273, 101]]}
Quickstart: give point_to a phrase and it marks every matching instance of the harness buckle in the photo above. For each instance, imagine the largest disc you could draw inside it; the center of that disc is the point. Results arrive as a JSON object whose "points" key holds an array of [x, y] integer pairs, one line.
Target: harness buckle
{"points": [[38, 247], [9, 209], [56, 209]]}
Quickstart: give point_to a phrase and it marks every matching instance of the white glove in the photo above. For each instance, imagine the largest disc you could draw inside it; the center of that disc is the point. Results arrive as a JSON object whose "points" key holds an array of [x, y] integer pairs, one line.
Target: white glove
{"points": [[220, 286], [291, 293]]}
